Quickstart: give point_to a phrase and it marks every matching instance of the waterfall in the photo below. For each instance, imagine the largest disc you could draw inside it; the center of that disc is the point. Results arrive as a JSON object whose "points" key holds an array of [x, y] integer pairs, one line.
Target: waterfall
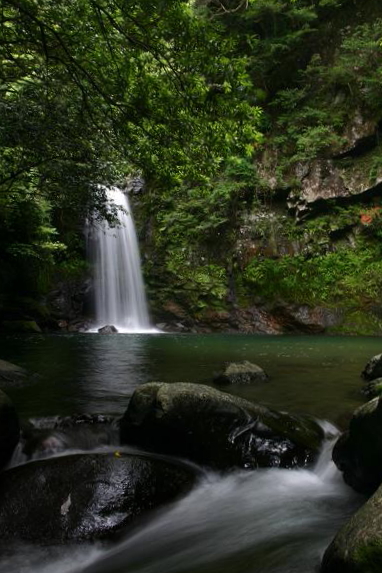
{"points": [[119, 290]]}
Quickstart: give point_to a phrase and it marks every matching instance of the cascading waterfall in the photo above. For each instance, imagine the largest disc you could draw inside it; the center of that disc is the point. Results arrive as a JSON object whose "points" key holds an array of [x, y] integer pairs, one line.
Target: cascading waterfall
{"points": [[119, 290]]}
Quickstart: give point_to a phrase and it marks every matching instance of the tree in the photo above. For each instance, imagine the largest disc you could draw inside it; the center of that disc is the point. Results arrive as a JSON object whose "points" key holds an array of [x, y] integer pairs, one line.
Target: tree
{"points": [[91, 89]]}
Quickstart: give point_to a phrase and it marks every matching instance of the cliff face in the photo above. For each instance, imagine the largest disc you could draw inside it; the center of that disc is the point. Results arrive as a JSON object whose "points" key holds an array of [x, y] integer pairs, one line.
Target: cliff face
{"points": [[289, 241]]}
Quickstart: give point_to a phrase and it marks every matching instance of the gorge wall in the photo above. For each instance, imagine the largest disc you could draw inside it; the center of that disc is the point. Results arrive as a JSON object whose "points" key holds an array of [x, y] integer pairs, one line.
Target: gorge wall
{"points": [[289, 241]]}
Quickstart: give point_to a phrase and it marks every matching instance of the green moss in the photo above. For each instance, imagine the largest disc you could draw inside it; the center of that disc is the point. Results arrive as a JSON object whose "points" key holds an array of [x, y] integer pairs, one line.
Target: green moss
{"points": [[368, 558], [358, 322]]}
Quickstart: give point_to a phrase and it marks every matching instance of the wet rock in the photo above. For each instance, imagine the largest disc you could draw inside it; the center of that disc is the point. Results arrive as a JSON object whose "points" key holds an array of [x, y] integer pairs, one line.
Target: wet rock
{"points": [[241, 373], [11, 372], [373, 388], [85, 496], [358, 452], [217, 429], [373, 368], [357, 548], [9, 429], [41, 438], [108, 329]]}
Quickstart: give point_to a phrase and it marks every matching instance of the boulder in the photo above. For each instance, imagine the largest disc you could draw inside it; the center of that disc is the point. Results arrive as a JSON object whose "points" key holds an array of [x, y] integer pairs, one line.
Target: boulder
{"points": [[241, 373], [373, 368], [11, 373], [85, 496], [216, 429], [358, 452], [9, 429], [373, 388], [108, 329], [357, 547]]}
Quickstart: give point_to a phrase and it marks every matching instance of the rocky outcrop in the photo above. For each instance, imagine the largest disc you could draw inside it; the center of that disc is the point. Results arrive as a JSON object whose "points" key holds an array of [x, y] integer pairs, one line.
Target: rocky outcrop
{"points": [[373, 368], [357, 548], [85, 496], [260, 319], [358, 452], [241, 373], [9, 429], [216, 429], [67, 301], [327, 179]]}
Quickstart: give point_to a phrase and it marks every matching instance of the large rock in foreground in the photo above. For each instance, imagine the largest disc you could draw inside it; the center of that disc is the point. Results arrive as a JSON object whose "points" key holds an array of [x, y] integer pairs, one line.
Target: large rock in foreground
{"points": [[358, 452], [216, 429], [85, 496], [9, 429], [357, 548]]}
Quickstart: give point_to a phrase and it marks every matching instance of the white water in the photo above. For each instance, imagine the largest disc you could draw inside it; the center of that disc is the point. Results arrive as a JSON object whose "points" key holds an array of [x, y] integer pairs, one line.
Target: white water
{"points": [[119, 290], [263, 521]]}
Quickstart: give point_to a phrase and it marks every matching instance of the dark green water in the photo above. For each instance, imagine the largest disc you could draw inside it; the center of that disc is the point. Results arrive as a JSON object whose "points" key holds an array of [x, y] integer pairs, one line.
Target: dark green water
{"points": [[97, 374]]}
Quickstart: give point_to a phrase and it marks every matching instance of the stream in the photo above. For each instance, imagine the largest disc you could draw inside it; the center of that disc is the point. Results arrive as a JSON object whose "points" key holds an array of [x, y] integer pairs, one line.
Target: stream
{"points": [[263, 521]]}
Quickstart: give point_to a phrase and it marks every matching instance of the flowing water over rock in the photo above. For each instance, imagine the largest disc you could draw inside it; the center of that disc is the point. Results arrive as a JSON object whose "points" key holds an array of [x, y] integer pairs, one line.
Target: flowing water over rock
{"points": [[119, 290], [265, 521]]}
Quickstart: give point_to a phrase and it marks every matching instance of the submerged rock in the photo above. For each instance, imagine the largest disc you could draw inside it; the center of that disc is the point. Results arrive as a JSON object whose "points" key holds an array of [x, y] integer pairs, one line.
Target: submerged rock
{"points": [[358, 452], [108, 329], [357, 547], [241, 373], [217, 429], [9, 429], [85, 496], [373, 368]]}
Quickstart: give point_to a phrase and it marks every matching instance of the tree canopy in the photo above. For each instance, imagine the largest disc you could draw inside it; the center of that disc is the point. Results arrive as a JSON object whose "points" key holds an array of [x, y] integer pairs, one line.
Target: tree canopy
{"points": [[91, 90]]}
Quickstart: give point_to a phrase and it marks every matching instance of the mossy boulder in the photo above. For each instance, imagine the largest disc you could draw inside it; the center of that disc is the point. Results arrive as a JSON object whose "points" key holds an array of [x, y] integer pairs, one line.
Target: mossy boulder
{"points": [[85, 496], [373, 368], [373, 388], [216, 429], [241, 373], [358, 452], [9, 429], [357, 548]]}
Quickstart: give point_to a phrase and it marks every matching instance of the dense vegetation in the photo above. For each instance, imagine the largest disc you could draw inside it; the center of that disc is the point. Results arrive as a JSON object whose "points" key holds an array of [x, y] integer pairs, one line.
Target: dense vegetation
{"points": [[314, 66], [220, 105], [92, 90]]}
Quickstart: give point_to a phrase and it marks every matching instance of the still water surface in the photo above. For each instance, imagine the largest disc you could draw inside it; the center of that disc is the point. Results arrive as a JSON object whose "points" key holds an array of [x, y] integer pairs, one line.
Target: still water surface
{"points": [[266, 521], [97, 374]]}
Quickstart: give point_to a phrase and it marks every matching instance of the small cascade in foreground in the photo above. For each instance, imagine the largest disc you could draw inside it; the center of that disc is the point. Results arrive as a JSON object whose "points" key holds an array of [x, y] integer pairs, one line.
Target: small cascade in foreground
{"points": [[119, 290]]}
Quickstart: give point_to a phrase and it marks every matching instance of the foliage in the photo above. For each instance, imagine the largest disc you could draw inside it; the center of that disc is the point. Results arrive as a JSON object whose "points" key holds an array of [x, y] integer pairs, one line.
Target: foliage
{"points": [[348, 275], [89, 90]]}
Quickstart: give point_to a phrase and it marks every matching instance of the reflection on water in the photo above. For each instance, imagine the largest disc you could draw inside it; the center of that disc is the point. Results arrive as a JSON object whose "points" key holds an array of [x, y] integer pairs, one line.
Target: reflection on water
{"points": [[97, 374]]}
